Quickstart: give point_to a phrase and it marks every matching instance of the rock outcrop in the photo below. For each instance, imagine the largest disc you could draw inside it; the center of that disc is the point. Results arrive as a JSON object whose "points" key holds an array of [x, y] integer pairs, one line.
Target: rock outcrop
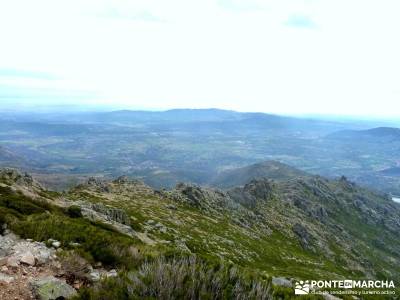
{"points": [[12, 176], [50, 288], [304, 236], [15, 251], [112, 213], [254, 191]]}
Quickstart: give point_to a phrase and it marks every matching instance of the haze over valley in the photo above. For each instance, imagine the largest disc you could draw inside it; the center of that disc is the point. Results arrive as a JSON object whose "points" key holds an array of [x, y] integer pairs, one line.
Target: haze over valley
{"points": [[166, 147]]}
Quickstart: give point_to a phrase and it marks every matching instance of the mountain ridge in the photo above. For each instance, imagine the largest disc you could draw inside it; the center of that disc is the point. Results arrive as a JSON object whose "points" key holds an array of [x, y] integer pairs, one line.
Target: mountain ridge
{"points": [[267, 169], [378, 132], [341, 229]]}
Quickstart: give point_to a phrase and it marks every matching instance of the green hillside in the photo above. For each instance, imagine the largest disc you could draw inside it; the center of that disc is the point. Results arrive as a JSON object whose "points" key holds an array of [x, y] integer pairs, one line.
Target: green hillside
{"points": [[227, 243]]}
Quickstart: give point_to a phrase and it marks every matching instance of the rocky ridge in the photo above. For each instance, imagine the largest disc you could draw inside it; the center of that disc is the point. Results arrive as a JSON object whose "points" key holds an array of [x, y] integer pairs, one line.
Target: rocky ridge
{"points": [[277, 227]]}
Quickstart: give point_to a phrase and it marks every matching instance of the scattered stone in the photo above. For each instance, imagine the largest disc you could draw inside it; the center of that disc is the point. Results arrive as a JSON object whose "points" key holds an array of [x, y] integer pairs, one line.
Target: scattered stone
{"points": [[4, 269], [281, 281], [49, 288], [28, 259], [56, 244], [3, 261], [112, 273], [94, 276], [6, 278], [12, 262]]}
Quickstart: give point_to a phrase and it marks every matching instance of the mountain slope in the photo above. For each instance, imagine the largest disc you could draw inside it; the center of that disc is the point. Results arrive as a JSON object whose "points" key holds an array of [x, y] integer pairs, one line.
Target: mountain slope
{"points": [[268, 169], [344, 229], [301, 228]]}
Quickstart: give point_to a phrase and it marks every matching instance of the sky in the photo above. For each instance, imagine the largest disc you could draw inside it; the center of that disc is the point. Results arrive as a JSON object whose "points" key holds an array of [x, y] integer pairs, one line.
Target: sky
{"points": [[336, 57]]}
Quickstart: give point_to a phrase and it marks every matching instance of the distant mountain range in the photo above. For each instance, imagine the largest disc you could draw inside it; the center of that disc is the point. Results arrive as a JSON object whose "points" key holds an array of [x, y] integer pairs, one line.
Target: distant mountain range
{"points": [[374, 133], [198, 146]]}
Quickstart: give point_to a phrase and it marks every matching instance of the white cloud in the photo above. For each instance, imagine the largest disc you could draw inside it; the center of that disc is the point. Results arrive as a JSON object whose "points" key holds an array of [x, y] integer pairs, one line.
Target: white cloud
{"points": [[212, 53]]}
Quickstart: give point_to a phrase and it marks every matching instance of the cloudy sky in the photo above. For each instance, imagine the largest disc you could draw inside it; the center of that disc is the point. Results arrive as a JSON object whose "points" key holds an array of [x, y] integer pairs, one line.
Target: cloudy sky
{"points": [[280, 56]]}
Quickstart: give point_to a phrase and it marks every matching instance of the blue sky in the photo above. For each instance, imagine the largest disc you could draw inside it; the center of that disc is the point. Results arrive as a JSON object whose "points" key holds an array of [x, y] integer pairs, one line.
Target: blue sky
{"points": [[286, 56]]}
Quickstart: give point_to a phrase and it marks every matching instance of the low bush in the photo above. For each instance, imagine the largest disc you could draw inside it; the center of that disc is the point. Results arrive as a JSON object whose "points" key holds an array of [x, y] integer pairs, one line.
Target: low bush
{"points": [[181, 278], [74, 266], [74, 211], [100, 244]]}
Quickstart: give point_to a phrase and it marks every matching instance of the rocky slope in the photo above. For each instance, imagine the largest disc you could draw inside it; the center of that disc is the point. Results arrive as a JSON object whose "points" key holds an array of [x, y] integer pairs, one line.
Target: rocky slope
{"points": [[268, 169], [303, 228]]}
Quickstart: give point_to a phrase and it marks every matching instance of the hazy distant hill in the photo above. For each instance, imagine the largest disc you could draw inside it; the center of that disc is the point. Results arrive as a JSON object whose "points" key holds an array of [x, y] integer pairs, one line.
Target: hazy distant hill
{"points": [[187, 119], [394, 171], [165, 147], [269, 169], [373, 134], [213, 119]]}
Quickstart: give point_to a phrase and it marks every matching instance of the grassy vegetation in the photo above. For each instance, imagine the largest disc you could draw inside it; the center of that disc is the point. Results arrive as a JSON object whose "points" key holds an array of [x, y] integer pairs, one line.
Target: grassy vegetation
{"points": [[40, 220], [233, 250], [182, 278], [149, 273]]}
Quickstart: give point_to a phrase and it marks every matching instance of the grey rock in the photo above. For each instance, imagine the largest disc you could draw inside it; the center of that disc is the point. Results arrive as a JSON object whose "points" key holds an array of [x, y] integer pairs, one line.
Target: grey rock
{"points": [[6, 278], [40, 252], [112, 273], [56, 244], [13, 176], [12, 262], [193, 193], [122, 180], [108, 215], [94, 276], [98, 184], [204, 198], [112, 213], [28, 259], [3, 261], [49, 288], [254, 191], [281, 281], [303, 235]]}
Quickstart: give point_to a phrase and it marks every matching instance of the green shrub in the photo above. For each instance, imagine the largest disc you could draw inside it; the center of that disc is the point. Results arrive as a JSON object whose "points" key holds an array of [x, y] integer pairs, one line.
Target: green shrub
{"points": [[74, 211], [22, 204], [182, 278], [74, 265], [100, 244]]}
